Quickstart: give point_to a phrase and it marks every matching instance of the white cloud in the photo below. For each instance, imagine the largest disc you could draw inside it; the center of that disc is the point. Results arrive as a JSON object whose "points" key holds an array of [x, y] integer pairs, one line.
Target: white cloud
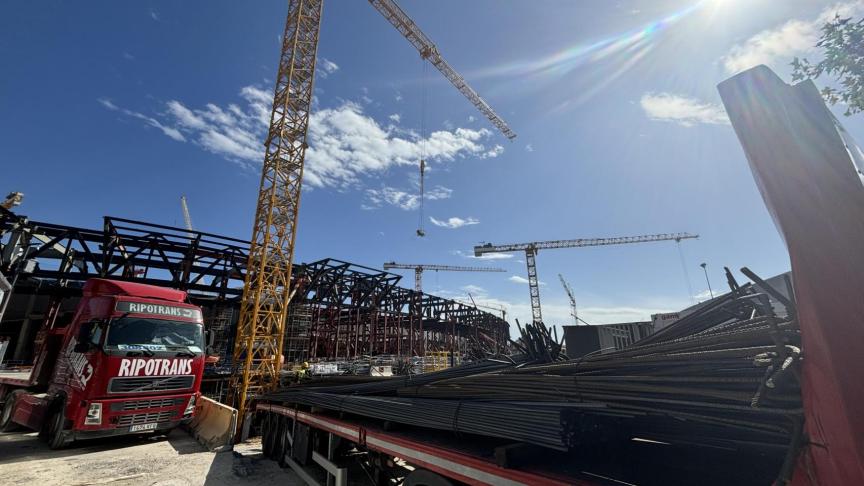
{"points": [[345, 145], [471, 119], [522, 280], [454, 222], [171, 132], [325, 67], [703, 295], [485, 256], [780, 44], [474, 289], [556, 311], [493, 152], [529, 148], [128, 57], [395, 117], [682, 110], [397, 96], [154, 15], [409, 201]]}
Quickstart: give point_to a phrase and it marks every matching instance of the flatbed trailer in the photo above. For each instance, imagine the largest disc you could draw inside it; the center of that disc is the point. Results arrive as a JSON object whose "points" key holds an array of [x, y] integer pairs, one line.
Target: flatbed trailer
{"points": [[432, 463]]}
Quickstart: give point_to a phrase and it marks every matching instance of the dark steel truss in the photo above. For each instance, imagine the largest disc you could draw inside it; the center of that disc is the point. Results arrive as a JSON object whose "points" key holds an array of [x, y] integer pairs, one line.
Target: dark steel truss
{"points": [[339, 310], [352, 311], [202, 263]]}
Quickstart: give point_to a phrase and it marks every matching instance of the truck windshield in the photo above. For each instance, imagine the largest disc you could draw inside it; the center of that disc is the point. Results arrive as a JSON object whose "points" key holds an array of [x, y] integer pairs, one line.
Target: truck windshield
{"points": [[131, 333]]}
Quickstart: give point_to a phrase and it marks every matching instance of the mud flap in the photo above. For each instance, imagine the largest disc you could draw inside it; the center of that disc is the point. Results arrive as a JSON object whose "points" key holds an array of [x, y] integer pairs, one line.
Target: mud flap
{"points": [[213, 424]]}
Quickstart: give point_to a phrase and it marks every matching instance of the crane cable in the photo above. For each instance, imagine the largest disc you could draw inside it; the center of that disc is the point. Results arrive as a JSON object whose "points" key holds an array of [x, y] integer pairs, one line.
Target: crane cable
{"points": [[686, 274], [423, 102]]}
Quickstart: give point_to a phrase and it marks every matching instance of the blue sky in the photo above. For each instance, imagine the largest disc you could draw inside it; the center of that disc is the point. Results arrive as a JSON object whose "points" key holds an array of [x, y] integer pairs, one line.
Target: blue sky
{"points": [[119, 108]]}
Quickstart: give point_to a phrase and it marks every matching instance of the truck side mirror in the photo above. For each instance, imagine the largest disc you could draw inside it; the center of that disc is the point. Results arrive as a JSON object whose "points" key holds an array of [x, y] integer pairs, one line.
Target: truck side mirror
{"points": [[83, 344], [209, 338]]}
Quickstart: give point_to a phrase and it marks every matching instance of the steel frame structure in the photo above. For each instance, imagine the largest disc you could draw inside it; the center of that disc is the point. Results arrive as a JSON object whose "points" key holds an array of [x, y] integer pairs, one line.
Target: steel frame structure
{"points": [[357, 311], [351, 310], [203, 264]]}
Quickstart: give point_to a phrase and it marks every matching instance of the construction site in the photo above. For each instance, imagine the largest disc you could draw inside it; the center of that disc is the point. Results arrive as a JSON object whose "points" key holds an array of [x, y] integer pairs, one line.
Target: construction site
{"points": [[139, 352]]}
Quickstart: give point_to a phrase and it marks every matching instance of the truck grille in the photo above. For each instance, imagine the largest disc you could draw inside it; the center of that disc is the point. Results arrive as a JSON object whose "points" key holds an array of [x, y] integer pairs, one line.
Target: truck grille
{"points": [[144, 418], [144, 384], [144, 404]]}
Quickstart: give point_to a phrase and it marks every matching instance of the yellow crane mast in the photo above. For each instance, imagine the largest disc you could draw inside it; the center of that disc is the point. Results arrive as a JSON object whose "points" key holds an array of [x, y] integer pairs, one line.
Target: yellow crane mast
{"points": [[266, 289], [267, 285]]}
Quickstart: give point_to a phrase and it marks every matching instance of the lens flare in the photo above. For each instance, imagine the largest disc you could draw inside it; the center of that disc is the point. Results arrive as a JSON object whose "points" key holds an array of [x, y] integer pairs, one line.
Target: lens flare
{"points": [[572, 57], [609, 58]]}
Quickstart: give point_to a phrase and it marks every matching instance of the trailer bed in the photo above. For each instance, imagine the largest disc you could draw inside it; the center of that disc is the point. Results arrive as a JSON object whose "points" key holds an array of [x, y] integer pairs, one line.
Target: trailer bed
{"points": [[454, 461]]}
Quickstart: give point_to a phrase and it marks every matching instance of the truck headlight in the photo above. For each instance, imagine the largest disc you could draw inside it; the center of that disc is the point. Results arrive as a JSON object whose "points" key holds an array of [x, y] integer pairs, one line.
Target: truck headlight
{"points": [[190, 407], [94, 414]]}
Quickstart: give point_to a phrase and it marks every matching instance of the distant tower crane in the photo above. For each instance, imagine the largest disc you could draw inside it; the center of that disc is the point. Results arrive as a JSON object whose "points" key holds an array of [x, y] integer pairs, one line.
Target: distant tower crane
{"points": [[419, 268], [572, 298], [187, 219], [267, 284], [532, 248]]}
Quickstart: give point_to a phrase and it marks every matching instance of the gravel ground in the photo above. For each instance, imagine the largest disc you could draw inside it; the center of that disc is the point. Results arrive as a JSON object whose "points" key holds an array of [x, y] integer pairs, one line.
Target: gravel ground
{"points": [[176, 460]]}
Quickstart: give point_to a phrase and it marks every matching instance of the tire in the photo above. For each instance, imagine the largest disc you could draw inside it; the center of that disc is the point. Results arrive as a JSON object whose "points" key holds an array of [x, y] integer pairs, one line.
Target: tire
{"points": [[56, 423], [267, 437], [280, 442], [6, 423]]}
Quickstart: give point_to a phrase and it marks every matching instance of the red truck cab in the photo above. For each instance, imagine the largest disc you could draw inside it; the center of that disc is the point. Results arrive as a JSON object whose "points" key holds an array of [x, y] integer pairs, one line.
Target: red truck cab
{"points": [[130, 361]]}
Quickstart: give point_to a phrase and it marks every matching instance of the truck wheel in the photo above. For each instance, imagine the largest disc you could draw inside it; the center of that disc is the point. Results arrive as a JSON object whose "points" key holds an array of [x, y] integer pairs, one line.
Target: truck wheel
{"points": [[6, 423], [56, 434], [423, 477], [268, 437]]}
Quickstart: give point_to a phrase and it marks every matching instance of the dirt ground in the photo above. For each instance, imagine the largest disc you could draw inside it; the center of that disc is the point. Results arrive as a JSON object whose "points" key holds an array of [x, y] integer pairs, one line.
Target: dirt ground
{"points": [[176, 460]]}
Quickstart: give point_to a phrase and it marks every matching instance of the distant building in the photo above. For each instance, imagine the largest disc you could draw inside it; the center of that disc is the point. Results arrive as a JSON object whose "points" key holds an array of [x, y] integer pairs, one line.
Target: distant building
{"points": [[659, 321], [604, 338]]}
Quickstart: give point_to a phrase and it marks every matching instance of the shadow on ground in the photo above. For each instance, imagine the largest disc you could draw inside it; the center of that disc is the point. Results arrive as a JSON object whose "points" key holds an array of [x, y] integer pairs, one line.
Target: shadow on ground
{"points": [[26, 446]]}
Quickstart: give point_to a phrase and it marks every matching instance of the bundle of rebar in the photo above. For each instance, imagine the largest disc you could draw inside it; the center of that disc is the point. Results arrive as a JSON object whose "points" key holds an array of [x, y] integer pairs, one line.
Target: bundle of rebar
{"points": [[545, 426], [538, 344], [391, 385], [723, 376]]}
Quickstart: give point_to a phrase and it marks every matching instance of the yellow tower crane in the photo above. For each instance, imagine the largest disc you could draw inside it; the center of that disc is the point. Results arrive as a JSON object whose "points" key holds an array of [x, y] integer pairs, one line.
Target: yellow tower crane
{"points": [[532, 248], [267, 285]]}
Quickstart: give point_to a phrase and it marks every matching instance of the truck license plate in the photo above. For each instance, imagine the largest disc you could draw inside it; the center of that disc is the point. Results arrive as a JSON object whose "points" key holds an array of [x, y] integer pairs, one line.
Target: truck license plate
{"points": [[139, 428]]}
